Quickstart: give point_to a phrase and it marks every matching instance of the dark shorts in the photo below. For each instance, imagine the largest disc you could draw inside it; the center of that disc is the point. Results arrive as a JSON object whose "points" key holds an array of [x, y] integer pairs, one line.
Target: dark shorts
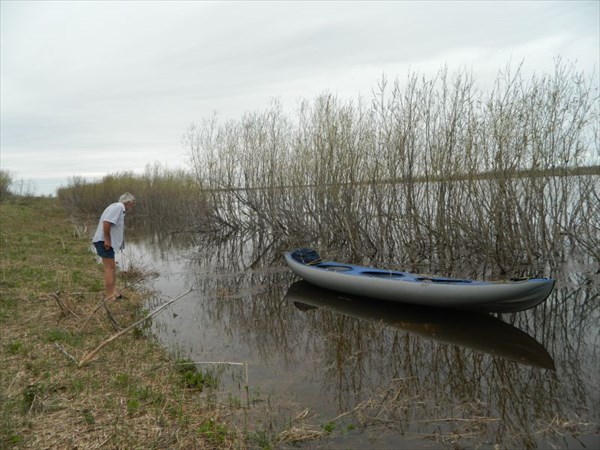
{"points": [[102, 252]]}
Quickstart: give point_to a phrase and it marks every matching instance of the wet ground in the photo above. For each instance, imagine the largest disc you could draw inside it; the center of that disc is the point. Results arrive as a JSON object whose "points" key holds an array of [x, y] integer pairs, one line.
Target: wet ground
{"points": [[366, 374]]}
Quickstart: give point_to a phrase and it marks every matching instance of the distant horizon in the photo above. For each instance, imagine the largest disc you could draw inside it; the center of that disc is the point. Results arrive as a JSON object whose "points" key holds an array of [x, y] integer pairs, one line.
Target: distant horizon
{"points": [[30, 188]]}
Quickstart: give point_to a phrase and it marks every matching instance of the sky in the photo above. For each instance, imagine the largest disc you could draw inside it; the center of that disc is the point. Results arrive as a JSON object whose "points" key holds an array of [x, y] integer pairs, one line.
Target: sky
{"points": [[90, 88]]}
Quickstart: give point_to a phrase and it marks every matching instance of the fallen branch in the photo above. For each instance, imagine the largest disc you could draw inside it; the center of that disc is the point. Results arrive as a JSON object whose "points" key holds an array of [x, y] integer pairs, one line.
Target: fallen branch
{"points": [[102, 303], [72, 358], [110, 317], [64, 308], [96, 308], [87, 358], [461, 419]]}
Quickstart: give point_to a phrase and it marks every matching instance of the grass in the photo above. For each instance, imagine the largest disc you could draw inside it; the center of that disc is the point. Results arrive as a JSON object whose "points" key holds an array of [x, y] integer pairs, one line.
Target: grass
{"points": [[194, 378], [120, 399]]}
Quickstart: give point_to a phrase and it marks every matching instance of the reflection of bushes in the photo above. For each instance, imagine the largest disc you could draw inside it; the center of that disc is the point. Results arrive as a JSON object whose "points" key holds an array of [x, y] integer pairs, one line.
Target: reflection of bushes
{"points": [[383, 378]]}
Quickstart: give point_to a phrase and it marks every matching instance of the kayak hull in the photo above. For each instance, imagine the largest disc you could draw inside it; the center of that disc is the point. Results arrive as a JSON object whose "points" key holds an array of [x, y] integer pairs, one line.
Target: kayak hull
{"points": [[404, 287]]}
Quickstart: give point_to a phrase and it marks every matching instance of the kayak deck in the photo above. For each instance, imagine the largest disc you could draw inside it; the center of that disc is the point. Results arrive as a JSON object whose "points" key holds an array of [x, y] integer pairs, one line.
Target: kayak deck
{"points": [[383, 273]]}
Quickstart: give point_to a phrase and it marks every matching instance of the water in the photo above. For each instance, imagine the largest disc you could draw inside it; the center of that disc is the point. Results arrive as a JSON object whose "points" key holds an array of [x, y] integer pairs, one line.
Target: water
{"points": [[378, 376]]}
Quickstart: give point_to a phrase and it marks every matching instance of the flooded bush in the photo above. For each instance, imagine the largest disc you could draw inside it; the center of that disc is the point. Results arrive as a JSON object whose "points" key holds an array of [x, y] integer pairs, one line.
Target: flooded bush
{"points": [[428, 172]]}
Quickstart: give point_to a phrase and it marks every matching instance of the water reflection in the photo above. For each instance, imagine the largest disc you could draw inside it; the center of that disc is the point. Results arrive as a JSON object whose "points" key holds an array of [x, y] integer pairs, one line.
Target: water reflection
{"points": [[479, 332], [396, 374]]}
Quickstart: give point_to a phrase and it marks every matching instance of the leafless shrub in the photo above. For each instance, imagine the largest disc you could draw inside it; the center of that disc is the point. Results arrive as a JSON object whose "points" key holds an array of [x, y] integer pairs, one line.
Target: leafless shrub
{"points": [[431, 171]]}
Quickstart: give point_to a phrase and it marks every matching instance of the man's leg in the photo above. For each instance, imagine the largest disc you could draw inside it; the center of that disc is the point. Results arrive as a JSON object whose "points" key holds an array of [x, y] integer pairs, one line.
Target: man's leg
{"points": [[109, 278]]}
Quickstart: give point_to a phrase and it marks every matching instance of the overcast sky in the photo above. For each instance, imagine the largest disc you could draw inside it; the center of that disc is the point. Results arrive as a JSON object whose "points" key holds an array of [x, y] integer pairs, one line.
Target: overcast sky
{"points": [[91, 88]]}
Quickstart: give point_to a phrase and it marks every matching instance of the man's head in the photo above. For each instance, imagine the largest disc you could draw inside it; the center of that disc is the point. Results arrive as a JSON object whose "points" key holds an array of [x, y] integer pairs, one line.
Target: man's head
{"points": [[128, 200]]}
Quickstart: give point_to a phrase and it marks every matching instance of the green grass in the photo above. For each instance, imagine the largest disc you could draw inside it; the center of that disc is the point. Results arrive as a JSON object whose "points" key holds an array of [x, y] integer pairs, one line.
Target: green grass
{"points": [[63, 337], [194, 378], [214, 431], [15, 347]]}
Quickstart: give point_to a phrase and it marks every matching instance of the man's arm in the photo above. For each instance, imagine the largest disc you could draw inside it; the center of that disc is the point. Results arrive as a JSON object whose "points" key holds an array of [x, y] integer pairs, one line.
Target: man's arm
{"points": [[106, 228]]}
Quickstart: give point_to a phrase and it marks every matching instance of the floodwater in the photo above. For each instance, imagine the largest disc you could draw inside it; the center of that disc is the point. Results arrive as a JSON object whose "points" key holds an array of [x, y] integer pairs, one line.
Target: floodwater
{"points": [[377, 375]]}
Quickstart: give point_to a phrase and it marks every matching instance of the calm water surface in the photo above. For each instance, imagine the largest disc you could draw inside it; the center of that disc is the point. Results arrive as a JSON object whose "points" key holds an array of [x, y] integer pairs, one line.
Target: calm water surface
{"points": [[378, 375]]}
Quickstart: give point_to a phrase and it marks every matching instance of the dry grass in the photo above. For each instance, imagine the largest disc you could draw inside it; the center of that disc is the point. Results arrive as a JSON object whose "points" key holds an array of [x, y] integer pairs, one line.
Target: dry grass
{"points": [[50, 286]]}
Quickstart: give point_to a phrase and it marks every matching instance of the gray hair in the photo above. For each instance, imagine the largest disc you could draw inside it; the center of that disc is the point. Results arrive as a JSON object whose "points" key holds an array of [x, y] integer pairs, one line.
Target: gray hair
{"points": [[126, 197]]}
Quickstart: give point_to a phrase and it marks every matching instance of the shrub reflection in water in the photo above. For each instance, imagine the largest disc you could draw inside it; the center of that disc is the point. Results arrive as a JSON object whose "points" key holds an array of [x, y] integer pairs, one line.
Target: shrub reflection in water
{"points": [[393, 373]]}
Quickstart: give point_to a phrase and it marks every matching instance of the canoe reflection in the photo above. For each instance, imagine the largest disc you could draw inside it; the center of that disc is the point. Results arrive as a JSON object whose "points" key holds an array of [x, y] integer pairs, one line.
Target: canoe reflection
{"points": [[476, 331]]}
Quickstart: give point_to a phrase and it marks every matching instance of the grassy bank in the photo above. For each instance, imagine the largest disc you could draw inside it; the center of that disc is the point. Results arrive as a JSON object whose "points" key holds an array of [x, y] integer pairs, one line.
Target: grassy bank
{"points": [[130, 396]]}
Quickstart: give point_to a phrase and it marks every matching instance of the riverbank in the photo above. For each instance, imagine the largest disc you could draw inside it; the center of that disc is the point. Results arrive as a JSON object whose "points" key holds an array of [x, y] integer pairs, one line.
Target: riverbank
{"points": [[131, 395]]}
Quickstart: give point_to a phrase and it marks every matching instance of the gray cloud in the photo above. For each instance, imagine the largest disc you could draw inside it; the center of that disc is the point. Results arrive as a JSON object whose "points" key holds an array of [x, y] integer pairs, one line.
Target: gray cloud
{"points": [[124, 79]]}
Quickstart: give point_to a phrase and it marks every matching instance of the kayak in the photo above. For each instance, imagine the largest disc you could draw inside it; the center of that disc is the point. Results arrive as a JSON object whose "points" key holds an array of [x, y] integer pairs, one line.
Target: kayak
{"points": [[405, 287], [476, 331]]}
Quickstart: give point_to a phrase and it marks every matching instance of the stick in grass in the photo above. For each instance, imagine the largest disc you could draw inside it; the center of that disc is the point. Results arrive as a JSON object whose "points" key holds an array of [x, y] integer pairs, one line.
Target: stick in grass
{"points": [[71, 357], [87, 358], [110, 317], [64, 309], [101, 303], [96, 308]]}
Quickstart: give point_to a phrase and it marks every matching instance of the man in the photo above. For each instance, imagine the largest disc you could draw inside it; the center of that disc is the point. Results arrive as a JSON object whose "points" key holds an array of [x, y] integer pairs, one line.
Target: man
{"points": [[109, 236]]}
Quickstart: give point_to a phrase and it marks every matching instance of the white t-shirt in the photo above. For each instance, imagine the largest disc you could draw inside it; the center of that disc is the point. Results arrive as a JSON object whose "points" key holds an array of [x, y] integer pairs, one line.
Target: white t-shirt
{"points": [[115, 214]]}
